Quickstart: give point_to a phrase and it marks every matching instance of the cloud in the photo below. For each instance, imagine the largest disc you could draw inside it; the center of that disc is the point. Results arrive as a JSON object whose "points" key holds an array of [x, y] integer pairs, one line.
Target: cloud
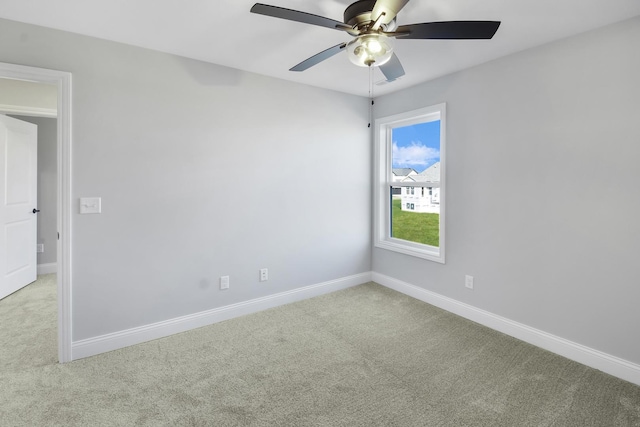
{"points": [[414, 155]]}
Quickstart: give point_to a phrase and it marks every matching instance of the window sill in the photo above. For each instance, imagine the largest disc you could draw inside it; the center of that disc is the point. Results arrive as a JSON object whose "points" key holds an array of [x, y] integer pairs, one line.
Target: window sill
{"points": [[430, 253]]}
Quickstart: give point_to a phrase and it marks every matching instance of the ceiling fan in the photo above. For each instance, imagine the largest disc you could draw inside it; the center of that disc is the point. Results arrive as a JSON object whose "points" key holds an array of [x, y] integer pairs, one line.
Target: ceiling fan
{"points": [[372, 23]]}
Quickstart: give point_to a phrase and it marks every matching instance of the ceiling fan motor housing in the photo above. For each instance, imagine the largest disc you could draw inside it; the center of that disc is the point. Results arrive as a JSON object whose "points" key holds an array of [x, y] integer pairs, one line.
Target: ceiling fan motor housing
{"points": [[358, 15]]}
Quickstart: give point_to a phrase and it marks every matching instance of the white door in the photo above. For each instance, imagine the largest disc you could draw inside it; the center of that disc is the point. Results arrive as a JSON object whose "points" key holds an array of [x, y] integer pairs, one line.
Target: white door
{"points": [[18, 196]]}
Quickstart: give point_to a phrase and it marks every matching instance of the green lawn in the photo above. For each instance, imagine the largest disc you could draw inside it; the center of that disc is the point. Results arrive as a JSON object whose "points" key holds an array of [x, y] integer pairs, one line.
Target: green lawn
{"points": [[414, 226]]}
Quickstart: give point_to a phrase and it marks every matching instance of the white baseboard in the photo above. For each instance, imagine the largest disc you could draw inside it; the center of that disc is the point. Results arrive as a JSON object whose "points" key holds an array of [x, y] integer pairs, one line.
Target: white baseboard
{"points": [[113, 341], [47, 268], [612, 365]]}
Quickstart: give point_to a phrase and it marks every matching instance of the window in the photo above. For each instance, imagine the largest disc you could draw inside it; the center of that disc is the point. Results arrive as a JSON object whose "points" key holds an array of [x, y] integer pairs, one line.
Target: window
{"points": [[415, 140]]}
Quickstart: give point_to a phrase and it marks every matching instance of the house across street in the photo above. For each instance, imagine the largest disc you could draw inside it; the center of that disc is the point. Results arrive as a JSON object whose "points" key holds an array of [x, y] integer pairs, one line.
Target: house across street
{"points": [[424, 197]]}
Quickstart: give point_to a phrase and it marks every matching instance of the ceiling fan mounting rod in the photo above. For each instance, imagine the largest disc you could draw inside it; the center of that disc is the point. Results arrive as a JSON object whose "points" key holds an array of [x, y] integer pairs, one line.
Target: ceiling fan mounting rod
{"points": [[377, 22]]}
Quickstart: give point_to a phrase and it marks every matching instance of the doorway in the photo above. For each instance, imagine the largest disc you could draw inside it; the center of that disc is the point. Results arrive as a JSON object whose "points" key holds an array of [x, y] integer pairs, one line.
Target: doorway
{"points": [[62, 81]]}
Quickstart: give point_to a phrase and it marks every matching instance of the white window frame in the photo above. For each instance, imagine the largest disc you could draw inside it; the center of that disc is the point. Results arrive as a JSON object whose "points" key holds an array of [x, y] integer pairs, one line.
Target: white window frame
{"points": [[384, 181]]}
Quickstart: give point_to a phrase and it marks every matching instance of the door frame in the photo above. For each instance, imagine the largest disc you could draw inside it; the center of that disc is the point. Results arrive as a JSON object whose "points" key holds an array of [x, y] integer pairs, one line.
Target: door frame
{"points": [[62, 80]]}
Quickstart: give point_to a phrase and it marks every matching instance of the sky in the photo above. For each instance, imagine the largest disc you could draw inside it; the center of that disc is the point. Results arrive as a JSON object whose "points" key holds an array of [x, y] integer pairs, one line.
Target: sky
{"points": [[416, 146]]}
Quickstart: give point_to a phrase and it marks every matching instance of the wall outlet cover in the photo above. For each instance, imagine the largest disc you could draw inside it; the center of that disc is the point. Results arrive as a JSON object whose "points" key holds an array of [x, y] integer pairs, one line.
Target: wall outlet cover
{"points": [[468, 282]]}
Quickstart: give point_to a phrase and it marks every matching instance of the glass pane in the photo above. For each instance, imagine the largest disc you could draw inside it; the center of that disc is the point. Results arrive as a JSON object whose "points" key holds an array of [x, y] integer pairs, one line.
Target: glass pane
{"points": [[416, 222], [415, 209]]}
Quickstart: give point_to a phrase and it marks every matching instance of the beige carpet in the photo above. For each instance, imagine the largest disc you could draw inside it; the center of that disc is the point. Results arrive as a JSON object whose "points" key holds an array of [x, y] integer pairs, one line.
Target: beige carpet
{"points": [[366, 356]]}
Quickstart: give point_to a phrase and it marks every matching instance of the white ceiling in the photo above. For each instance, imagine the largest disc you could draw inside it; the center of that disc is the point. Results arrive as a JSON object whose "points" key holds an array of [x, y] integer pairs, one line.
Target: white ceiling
{"points": [[224, 32]]}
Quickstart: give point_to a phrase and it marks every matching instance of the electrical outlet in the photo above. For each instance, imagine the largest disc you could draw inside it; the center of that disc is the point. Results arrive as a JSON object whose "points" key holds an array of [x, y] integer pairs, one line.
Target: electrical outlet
{"points": [[468, 281], [264, 274], [40, 248], [224, 282]]}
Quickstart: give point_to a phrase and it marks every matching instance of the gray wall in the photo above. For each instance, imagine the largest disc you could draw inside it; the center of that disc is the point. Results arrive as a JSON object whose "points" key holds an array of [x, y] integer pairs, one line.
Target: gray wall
{"points": [[203, 171], [542, 179], [47, 180]]}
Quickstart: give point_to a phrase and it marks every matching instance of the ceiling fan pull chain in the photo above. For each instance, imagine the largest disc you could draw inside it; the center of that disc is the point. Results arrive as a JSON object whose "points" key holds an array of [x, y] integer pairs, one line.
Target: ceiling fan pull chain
{"points": [[370, 95]]}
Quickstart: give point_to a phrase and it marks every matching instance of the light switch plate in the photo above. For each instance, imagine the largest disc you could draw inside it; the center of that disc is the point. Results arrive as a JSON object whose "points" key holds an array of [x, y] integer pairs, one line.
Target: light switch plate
{"points": [[90, 205]]}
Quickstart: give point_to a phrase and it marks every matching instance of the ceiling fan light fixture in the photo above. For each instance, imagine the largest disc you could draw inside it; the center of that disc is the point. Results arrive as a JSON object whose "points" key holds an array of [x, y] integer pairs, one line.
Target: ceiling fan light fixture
{"points": [[370, 50], [373, 24]]}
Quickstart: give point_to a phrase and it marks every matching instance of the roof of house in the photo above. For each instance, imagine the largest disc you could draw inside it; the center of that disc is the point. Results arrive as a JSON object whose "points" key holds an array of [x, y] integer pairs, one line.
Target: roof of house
{"points": [[430, 174], [403, 171]]}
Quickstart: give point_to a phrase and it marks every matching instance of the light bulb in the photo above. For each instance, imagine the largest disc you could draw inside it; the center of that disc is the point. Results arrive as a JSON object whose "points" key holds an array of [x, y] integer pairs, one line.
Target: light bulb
{"points": [[374, 46], [370, 50]]}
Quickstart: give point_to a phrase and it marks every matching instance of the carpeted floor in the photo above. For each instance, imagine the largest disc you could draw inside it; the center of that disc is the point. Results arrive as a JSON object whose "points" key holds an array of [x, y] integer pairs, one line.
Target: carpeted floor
{"points": [[29, 327], [365, 356]]}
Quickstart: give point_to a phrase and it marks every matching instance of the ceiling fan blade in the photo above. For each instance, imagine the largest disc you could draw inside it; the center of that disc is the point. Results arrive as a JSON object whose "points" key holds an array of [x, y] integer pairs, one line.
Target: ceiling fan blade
{"points": [[319, 57], [295, 15], [449, 30], [390, 8], [392, 69]]}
